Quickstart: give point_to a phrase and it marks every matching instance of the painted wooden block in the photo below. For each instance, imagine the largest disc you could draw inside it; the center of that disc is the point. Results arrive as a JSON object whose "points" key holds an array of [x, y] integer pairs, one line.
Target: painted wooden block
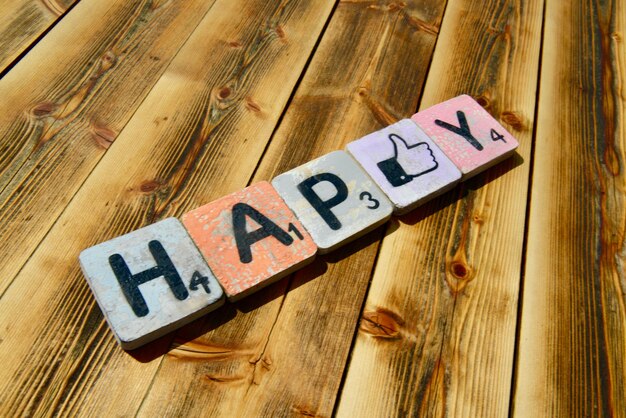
{"points": [[150, 282], [467, 134], [250, 239], [406, 164], [334, 198]]}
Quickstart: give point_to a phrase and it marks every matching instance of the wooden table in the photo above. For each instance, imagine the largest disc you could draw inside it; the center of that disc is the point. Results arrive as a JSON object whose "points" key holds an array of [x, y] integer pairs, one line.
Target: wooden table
{"points": [[505, 296]]}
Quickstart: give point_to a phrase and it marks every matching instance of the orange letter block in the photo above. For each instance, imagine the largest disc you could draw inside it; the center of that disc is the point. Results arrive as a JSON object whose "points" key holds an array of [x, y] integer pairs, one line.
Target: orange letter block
{"points": [[250, 239]]}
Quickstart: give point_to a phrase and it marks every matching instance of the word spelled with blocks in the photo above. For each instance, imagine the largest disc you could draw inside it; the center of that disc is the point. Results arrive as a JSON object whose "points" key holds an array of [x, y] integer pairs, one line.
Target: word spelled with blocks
{"points": [[160, 277]]}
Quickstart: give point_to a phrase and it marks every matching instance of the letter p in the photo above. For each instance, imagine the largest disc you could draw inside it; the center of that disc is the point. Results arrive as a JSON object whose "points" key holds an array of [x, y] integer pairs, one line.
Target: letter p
{"points": [[323, 207]]}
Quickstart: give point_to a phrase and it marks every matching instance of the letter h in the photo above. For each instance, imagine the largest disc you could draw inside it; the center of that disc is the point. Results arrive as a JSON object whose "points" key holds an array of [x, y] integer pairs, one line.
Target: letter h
{"points": [[130, 282]]}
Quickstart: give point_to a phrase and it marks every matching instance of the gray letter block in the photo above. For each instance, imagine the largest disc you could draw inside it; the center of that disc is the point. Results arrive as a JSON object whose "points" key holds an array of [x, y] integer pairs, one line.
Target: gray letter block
{"points": [[334, 198], [150, 282]]}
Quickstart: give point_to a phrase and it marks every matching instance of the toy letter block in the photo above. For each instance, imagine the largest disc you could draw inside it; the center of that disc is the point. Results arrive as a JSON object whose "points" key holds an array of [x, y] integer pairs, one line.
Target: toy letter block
{"points": [[150, 282], [334, 198], [467, 134], [405, 164], [250, 239]]}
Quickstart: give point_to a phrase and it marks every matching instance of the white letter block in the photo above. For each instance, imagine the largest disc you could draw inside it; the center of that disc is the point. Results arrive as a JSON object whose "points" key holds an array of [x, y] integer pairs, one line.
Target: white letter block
{"points": [[150, 282], [406, 164], [334, 198]]}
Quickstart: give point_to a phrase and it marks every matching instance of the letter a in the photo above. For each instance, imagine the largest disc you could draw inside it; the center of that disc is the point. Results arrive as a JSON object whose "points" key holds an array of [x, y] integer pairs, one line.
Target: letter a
{"points": [[245, 239]]}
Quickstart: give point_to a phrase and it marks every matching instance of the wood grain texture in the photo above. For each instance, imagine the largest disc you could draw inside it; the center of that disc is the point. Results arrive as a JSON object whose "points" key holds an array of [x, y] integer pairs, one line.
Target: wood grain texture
{"points": [[285, 350], [572, 347], [197, 136], [66, 102], [437, 333], [23, 21]]}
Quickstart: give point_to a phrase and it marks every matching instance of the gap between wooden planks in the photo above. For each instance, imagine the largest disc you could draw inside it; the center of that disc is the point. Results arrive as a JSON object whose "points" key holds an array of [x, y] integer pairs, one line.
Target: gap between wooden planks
{"points": [[22, 22], [217, 102], [64, 104], [572, 346], [437, 334]]}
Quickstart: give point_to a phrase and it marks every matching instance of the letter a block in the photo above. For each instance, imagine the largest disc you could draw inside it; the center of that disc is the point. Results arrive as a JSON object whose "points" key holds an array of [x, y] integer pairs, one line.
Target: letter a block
{"points": [[150, 282], [334, 198], [467, 134], [250, 239], [406, 164]]}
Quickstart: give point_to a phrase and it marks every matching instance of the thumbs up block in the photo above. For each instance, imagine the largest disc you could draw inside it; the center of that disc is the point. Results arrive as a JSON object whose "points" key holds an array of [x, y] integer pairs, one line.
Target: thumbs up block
{"points": [[250, 239], [467, 134], [334, 198], [150, 282], [406, 164]]}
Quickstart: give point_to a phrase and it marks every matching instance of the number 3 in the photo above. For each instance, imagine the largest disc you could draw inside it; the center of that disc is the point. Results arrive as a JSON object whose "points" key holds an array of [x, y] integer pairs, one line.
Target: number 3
{"points": [[371, 199]]}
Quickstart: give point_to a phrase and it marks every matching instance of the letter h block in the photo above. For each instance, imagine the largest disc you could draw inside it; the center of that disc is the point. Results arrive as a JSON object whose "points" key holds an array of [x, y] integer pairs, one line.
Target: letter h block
{"points": [[150, 282]]}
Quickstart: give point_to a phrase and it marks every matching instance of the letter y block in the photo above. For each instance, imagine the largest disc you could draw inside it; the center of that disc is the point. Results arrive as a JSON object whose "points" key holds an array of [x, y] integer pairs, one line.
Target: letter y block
{"points": [[467, 134]]}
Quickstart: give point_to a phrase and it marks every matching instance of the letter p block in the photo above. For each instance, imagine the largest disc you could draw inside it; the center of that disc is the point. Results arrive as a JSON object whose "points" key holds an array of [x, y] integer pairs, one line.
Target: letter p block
{"points": [[334, 198]]}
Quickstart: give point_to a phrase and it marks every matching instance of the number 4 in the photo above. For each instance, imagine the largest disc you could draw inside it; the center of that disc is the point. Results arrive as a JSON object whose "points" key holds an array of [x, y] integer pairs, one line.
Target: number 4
{"points": [[495, 136], [198, 279]]}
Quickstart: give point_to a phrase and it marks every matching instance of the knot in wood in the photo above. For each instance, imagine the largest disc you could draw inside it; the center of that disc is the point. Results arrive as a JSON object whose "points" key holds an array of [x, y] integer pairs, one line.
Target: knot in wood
{"points": [[459, 275], [101, 134], [478, 219], [149, 186], [280, 32], [108, 60], [381, 323], [44, 109], [224, 93], [483, 100], [459, 270], [513, 119], [252, 105]]}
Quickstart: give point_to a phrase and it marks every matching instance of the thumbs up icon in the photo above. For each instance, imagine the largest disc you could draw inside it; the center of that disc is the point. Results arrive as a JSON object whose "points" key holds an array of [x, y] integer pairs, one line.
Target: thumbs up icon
{"points": [[408, 161]]}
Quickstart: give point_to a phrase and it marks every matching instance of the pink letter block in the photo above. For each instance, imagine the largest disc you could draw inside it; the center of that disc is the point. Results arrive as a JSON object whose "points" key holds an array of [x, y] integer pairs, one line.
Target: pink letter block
{"points": [[250, 239], [406, 164], [467, 134]]}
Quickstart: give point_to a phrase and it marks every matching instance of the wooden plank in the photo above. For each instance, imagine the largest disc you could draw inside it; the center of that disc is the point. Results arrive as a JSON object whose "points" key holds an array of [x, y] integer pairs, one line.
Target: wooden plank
{"points": [[197, 136], [284, 351], [572, 347], [437, 332], [57, 120], [23, 21]]}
